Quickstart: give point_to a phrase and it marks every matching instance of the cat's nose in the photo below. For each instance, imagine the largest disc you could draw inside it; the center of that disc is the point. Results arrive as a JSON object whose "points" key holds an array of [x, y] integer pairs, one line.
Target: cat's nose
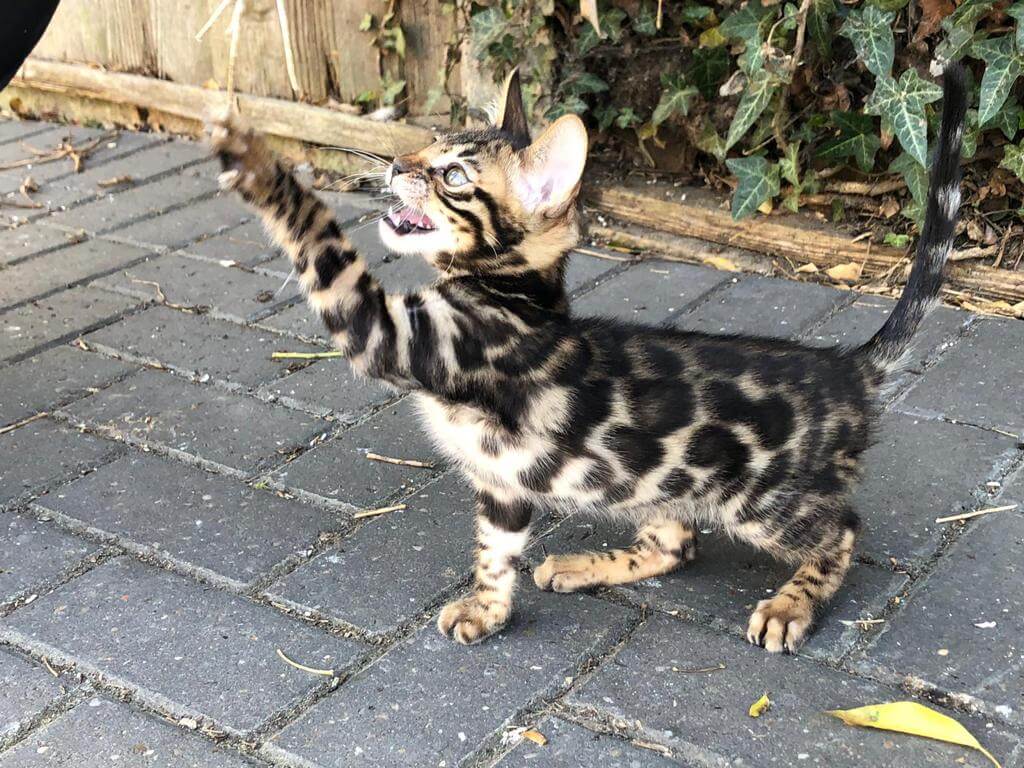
{"points": [[399, 166]]}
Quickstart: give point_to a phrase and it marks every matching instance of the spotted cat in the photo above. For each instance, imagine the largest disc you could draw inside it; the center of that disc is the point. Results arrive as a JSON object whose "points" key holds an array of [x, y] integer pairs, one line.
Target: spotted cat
{"points": [[542, 409]]}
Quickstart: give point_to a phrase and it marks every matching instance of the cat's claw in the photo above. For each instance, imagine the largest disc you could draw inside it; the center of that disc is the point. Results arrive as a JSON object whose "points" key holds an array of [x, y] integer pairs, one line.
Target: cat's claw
{"points": [[780, 624], [470, 620], [248, 166]]}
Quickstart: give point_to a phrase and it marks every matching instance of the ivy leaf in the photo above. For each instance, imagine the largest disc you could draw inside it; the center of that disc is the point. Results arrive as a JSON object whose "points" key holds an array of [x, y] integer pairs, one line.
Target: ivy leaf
{"points": [[757, 181], [789, 168], [900, 104], [1003, 65], [889, 5], [707, 69], [858, 138], [1013, 159], [570, 105], [747, 24], [645, 23], [819, 25], [584, 82], [916, 176], [959, 28], [1016, 11], [696, 13], [709, 141], [366, 23], [675, 101], [391, 91], [870, 31], [627, 118], [1007, 119], [489, 26], [758, 93]]}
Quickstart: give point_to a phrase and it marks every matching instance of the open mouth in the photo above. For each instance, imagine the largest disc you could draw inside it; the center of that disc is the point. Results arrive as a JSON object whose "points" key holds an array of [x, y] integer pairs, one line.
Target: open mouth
{"points": [[406, 221]]}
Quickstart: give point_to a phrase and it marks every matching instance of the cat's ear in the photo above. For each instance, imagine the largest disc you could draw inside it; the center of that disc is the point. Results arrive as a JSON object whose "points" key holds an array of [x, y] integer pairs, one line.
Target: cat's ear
{"points": [[511, 117], [552, 166]]}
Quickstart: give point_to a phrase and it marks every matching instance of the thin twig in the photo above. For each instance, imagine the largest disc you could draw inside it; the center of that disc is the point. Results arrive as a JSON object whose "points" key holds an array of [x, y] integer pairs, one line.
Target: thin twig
{"points": [[699, 670], [303, 355], [400, 462], [862, 623], [378, 511], [50, 669], [212, 20], [599, 255], [23, 422], [976, 513], [303, 667], [286, 41]]}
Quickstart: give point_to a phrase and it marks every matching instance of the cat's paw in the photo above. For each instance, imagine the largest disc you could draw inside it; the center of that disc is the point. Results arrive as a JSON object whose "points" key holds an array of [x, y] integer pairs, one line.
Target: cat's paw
{"points": [[567, 573], [471, 619], [248, 167], [780, 623]]}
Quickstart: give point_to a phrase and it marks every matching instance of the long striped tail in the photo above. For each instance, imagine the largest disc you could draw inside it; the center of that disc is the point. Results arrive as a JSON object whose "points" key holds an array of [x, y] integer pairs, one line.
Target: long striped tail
{"points": [[887, 348]]}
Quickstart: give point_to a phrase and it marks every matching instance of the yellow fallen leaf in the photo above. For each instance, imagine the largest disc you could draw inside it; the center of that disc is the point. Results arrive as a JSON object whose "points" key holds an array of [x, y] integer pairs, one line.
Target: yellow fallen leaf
{"points": [[810, 267], [915, 719], [1018, 309], [765, 207], [845, 272], [536, 737], [760, 706], [721, 263]]}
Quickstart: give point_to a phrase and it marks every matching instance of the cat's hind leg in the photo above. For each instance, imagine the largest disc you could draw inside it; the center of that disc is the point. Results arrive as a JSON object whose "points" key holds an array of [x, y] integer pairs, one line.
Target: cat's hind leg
{"points": [[661, 546], [781, 623]]}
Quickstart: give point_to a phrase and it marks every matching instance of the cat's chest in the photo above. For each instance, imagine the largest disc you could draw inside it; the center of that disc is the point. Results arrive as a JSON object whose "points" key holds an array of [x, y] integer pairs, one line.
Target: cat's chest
{"points": [[472, 438]]}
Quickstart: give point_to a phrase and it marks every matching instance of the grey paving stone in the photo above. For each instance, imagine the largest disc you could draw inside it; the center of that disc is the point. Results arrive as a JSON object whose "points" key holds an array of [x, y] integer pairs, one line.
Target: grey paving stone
{"points": [[62, 268], [42, 453], [164, 411], [339, 470], [855, 324], [99, 733], [762, 306], [15, 129], [979, 381], [61, 316], [52, 378], [401, 274], [570, 746], [203, 649], [184, 225], [233, 293], [115, 209], [452, 697], [195, 517], [704, 715], [247, 244], [416, 552], [25, 241], [297, 320], [56, 178], [196, 345], [977, 582], [1013, 489], [32, 553], [327, 388], [916, 471], [27, 691], [583, 270], [649, 292], [727, 579]]}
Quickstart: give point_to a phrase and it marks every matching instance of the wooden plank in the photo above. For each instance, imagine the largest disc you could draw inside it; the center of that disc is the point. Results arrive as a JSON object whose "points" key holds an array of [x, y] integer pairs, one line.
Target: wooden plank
{"points": [[427, 32], [352, 59], [276, 116], [699, 216], [113, 33]]}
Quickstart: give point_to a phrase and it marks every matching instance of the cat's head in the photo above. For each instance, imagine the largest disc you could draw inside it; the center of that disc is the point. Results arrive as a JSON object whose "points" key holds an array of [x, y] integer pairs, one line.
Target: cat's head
{"points": [[490, 200]]}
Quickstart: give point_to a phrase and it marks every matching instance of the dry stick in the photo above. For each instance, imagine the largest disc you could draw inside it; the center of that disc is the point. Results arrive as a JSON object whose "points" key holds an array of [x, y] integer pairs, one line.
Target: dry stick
{"points": [[976, 513], [302, 355], [378, 511], [303, 667], [23, 422], [717, 668], [50, 669], [599, 255], [400, 462], [286, 41]]}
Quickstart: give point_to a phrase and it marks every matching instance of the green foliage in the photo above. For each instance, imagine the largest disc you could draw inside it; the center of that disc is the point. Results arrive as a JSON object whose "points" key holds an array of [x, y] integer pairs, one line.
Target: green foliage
{"points": [[757, 182], [768, 93]]}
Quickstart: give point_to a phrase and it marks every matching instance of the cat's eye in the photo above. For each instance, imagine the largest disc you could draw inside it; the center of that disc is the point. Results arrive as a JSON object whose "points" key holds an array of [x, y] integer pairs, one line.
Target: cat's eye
{"points": [[454, 176]]}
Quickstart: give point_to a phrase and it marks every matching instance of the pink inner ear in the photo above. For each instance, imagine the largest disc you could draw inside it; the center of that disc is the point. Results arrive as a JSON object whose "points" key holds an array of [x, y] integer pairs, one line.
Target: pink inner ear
{"points": [[553, 176]]}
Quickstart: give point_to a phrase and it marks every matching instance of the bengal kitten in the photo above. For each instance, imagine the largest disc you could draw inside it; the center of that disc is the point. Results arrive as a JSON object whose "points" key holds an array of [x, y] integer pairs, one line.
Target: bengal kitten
{"points": [[542, 409]]}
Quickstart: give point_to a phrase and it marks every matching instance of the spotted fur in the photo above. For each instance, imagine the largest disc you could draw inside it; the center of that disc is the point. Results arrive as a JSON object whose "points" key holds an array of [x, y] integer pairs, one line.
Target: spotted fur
{"points": [[543, 409]]}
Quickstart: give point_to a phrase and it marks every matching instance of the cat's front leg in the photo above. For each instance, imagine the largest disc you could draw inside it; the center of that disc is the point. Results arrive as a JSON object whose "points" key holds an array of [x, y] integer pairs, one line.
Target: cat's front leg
{"points": [[502, 530]]}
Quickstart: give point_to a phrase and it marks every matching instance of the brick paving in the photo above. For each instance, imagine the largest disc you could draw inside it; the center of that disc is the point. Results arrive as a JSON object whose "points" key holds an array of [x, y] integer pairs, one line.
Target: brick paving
{"points": [[181, 507]]}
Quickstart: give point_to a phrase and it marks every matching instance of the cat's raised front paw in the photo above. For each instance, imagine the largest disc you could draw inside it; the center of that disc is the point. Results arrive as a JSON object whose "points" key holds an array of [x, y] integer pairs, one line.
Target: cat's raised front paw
{"points": [[247, 165], [471, 619]]}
